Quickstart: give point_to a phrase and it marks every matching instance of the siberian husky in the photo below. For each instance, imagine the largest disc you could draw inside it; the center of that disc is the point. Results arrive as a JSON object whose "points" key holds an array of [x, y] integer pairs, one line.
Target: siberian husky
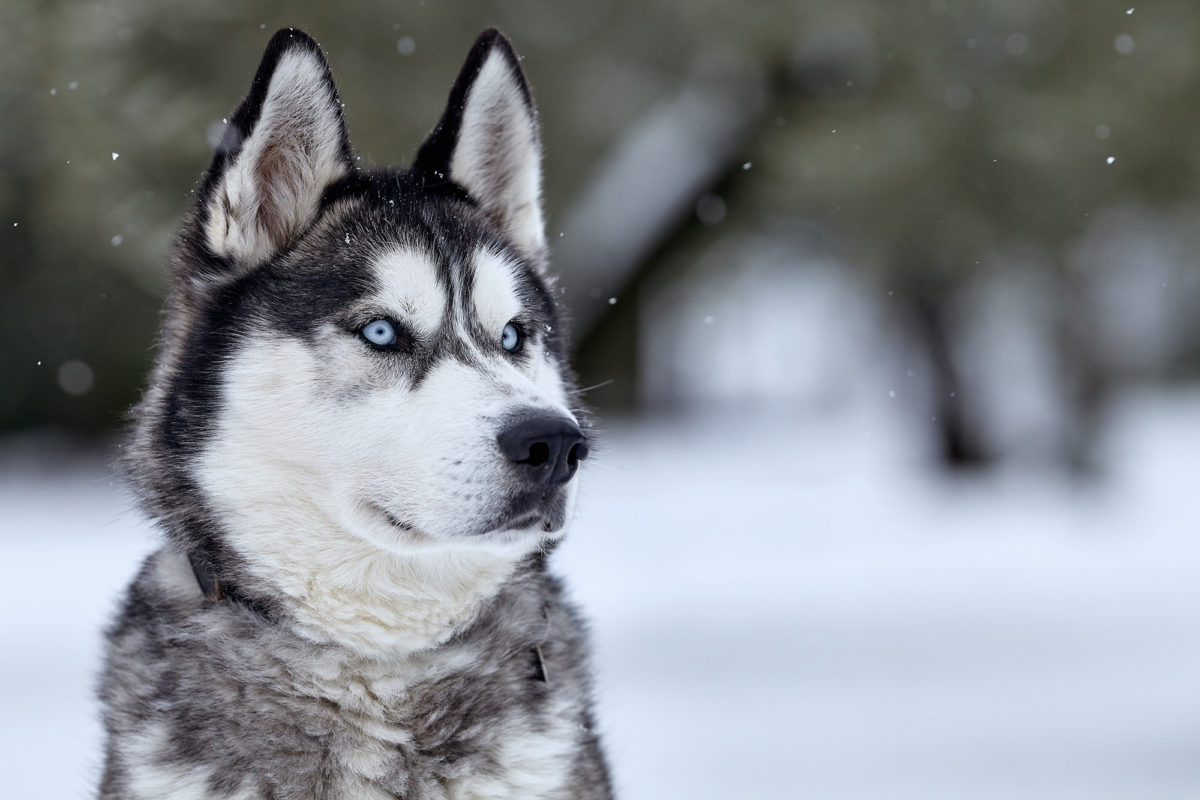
{"points": [[361, 441]]}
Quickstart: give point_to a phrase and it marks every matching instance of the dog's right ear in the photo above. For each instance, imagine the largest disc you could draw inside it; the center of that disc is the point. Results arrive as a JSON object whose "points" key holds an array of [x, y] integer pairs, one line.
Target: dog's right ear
{"points": [[282, 148]]}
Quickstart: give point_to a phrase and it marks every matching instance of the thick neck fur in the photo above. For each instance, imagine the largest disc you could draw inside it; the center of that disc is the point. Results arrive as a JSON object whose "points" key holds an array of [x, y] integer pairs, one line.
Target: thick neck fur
{"points": [[382, 611], [381, 604], [347, 671], [333, 589], [335, 586]]}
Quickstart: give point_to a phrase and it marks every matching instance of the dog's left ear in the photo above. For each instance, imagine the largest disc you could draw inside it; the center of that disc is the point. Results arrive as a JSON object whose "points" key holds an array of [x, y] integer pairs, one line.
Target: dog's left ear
{"points": [[487, 142], [281, 150]]}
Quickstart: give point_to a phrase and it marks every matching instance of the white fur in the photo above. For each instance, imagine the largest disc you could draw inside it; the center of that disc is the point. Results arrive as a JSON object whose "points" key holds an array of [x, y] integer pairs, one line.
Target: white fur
{"points": [[299, 125], [292, 477], [409, 285], [151, 779], [494, 293], [498, 155], [316, 441]]}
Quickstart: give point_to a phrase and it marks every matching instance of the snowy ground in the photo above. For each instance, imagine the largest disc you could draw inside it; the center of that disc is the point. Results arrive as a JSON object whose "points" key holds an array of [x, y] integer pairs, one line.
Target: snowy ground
{"points": [[782, 608]]}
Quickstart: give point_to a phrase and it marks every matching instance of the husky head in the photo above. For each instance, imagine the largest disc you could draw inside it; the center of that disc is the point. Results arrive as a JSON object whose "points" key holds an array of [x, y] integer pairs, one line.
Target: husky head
{"points": [[361, 418]]}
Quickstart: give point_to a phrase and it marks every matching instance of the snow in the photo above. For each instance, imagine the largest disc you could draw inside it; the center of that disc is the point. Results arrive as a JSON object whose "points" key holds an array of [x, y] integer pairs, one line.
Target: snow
{"points": [[783, 606]]}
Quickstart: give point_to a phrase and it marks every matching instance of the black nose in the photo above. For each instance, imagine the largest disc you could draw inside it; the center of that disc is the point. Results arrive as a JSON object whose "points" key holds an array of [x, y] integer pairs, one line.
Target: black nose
{"points": [[546, 449]]}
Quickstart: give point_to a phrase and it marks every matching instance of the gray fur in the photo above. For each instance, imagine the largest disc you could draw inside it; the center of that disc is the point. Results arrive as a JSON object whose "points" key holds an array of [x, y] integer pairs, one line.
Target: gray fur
{"points": [[222, 694], [269, 712]]}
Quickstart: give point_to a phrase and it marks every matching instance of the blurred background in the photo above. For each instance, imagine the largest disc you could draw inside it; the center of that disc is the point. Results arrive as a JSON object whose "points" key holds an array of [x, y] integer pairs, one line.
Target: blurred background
{"points": [[890, 312]]}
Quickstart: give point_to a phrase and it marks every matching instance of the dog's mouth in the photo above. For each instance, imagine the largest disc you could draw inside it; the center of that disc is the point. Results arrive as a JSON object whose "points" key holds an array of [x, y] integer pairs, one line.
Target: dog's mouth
{"points": [[392, 519], [544, 512], [547, 511], [406, 529]]}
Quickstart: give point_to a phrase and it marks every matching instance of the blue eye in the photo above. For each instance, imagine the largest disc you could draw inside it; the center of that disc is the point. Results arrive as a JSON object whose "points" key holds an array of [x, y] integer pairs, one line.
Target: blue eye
{"points": [[380, 333], [511, 338]]}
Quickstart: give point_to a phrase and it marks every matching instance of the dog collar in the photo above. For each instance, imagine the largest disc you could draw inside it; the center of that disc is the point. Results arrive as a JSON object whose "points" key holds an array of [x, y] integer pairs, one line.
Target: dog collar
{"points": [[542, 674], [209, 585]]}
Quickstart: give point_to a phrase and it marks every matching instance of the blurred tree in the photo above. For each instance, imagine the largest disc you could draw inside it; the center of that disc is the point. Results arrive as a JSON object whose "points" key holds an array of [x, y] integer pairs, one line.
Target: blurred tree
{"points": [[1000, 127], [935, 142]]}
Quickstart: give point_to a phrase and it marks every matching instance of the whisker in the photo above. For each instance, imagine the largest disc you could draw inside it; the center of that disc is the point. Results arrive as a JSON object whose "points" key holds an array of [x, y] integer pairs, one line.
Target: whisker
{"points": [[600, 385]]}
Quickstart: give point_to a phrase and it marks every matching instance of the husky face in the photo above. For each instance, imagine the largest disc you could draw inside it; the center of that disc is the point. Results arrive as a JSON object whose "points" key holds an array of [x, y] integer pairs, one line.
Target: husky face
{"points": [[362, 394], [386, 410]]}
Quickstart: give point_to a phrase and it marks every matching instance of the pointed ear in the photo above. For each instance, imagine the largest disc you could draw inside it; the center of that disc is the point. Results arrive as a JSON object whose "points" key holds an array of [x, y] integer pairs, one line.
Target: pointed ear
{"points": [[487, 142], [282, 148]]}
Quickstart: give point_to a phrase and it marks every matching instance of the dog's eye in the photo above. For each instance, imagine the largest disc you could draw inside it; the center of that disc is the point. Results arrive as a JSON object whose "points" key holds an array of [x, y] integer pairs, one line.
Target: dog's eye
{"points": [[380, 333], [512, 337]]}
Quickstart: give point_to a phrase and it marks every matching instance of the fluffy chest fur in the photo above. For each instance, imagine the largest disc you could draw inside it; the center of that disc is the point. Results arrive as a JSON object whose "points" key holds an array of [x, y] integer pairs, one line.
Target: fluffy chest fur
{"points": [[228, 704]]}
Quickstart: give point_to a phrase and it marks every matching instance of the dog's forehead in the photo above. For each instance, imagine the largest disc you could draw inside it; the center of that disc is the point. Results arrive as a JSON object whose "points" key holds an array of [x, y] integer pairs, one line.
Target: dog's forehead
{"points": [[421, 287], [495, 295], [409, 284]]}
